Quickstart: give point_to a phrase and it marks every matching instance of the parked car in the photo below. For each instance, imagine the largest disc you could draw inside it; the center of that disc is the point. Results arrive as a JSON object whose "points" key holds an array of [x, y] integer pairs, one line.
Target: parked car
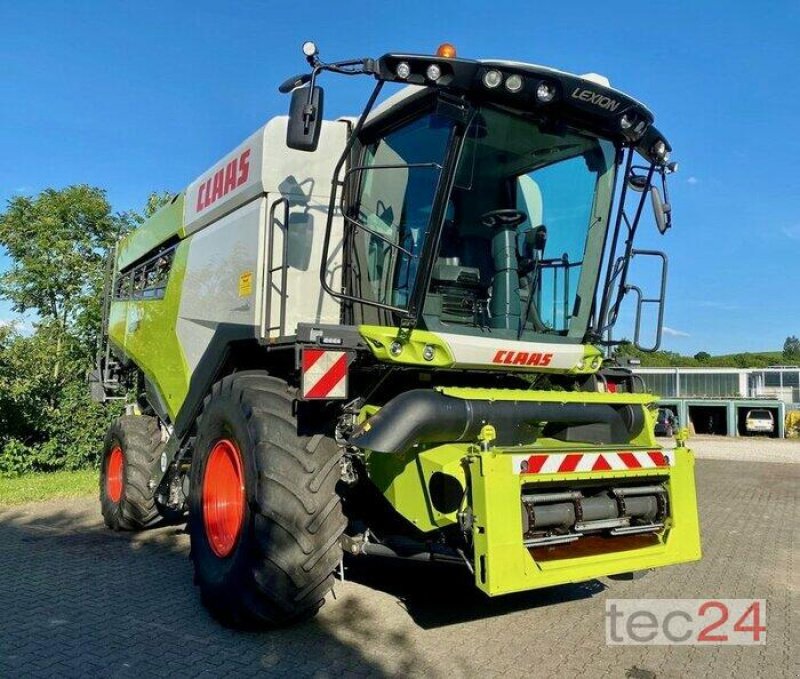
{"points": [[666, 422], [759, 422]]}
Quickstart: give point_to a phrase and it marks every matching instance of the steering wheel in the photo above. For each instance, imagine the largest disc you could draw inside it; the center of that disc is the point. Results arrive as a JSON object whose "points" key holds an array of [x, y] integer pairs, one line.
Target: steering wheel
{"points": [[503, 219]]}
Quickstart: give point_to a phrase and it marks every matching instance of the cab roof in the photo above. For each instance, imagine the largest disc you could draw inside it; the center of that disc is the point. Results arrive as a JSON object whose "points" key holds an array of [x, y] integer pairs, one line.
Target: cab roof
{"points": [[587, 100]]}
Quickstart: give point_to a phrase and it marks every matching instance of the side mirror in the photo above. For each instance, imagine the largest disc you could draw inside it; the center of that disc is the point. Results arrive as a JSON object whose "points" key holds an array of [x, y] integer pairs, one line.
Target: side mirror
{"points": [[661, 210], [305, 119], [535, 240], [532, 249], [637, 182]]}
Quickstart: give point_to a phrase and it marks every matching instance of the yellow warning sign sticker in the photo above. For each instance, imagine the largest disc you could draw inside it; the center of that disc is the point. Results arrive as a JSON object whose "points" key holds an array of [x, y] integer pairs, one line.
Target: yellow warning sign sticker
{"points": [[245, 283]]}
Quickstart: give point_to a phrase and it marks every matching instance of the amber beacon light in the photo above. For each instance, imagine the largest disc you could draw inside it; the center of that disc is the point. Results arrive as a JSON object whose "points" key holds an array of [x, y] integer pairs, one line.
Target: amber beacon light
{"points": [[446, 50]]}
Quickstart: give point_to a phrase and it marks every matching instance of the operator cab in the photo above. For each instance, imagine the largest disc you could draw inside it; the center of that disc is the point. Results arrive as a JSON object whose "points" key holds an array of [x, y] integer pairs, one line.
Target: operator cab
{"points": [[525, 200], [478, 200]]}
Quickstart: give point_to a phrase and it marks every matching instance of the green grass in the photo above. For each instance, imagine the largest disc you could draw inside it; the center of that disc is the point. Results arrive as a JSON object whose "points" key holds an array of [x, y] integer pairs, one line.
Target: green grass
{"points": [[40, 487]]}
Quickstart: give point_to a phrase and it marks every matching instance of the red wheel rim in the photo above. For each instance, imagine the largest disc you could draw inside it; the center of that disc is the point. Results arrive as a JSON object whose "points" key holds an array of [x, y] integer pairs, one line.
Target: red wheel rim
{"points": [[223, 497], [116, 464]]}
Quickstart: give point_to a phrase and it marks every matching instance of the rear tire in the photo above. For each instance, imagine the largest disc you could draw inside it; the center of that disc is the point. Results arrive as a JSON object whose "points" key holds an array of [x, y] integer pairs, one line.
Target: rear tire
{"points": [[132, 446], [263, 555]]}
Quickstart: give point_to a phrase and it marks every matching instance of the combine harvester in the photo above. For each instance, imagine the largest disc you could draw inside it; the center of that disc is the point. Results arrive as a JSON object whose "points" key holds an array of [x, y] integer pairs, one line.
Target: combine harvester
{"points": [[384, 335]]}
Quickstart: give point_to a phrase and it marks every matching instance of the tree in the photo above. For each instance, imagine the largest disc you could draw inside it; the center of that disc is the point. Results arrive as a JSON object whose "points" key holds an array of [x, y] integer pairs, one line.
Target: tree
{"points": [[56, 242], [791, 349], [702, 356], [155, 201]]}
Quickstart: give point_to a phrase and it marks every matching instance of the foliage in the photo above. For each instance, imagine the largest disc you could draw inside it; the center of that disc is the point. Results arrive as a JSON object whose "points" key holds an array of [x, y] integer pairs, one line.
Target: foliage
{"points": [[702, 359], [155, 201], [57, 243], [791, 349]]}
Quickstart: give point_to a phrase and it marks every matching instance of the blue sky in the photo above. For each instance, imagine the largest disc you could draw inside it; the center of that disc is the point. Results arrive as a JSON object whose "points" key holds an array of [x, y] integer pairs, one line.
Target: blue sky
{"points": [[141, 96]]}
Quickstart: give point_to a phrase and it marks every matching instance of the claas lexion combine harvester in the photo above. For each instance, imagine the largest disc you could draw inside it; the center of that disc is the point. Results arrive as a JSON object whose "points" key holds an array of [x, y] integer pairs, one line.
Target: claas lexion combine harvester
{"points": [[385, 335]]}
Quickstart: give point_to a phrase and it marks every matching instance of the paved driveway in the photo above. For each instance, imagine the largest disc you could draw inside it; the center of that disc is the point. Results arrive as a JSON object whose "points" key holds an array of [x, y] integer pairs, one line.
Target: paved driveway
{"points": [[77, 600]]}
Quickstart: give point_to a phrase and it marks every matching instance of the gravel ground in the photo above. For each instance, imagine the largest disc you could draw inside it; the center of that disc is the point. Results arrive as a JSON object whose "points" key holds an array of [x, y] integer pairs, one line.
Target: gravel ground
{"points": [[745, 449]]}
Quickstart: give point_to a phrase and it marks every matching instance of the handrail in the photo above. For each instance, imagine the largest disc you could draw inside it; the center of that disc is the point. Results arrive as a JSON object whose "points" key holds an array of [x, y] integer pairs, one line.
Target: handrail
{"points": [[283, 267]]}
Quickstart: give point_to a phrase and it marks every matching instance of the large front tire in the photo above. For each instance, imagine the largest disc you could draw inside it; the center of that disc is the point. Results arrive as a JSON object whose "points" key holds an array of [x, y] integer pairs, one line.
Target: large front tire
{"points": [[133, 445], [264, 519]]}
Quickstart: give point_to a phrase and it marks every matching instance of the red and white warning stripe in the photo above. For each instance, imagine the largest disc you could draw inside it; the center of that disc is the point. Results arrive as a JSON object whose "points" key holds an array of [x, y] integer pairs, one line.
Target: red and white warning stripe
{"points": [[324, 374], [545, 463]]}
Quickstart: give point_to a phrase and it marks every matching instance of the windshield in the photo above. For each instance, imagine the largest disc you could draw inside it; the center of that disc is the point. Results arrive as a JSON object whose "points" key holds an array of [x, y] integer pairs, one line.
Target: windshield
{"points": [[535, 277], [399, 177], [760, 415], [523, 232]]}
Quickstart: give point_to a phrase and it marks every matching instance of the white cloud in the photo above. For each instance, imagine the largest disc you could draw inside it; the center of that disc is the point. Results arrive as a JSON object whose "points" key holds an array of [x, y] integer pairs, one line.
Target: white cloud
{"points": [[693, 180], [675, 333], [792, 232]]}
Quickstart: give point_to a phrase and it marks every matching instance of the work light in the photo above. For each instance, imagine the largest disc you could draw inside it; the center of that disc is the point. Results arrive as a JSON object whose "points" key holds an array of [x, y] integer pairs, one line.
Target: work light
{"points": [[433, 72], [514, 83], [545, 92], [626, 122], [660, 150], [492, 79]]}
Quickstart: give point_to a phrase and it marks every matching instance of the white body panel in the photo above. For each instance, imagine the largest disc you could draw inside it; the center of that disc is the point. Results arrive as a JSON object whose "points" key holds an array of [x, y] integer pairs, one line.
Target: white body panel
{"points": [[476, 352], [220, 258], [261, 164], [306, 302], [227, 217]]}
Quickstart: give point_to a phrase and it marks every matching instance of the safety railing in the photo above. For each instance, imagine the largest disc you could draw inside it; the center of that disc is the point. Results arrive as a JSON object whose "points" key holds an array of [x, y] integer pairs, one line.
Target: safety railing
{"points": [[273, 269]]}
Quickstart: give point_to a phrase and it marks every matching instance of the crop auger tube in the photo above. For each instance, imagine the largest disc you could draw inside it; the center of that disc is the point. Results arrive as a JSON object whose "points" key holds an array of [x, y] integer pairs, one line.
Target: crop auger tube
{"points": [[425, 416]]}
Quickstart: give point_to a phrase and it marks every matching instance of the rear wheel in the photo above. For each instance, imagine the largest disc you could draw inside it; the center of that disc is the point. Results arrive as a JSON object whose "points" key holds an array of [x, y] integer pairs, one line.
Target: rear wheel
{"points": [[132, 446], [265, 519]]}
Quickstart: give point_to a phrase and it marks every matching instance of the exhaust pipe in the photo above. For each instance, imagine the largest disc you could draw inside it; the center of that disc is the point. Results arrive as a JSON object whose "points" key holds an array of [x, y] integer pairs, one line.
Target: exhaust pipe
{"points": [[427, 416]]}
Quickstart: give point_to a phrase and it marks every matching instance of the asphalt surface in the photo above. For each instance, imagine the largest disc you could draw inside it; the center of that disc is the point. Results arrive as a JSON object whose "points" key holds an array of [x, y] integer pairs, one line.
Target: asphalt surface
{"points": [[77, 600]]}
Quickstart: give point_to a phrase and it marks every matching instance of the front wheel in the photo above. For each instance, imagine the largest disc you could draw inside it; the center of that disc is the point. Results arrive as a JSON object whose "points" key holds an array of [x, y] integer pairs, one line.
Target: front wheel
{"points": [[264, 519]]}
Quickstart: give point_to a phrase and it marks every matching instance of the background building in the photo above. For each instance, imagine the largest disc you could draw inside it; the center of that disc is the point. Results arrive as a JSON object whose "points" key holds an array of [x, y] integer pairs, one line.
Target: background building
{"points": [[717, 400]]}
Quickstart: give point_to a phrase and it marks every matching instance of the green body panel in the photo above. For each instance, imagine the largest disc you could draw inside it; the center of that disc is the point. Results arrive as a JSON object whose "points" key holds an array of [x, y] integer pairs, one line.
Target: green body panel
{"points": [[504, 564], [404, 481], [404, 478], [162, 226], [118, 323], [146, 332], [492, 491], [380, 338]]}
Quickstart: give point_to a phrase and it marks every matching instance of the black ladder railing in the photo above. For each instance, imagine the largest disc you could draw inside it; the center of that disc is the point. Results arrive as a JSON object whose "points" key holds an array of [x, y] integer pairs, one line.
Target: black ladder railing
{"points": [[283, 267]]}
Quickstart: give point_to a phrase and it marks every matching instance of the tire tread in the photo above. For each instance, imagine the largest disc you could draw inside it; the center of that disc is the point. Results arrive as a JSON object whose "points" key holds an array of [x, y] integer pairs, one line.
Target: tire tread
{"points": [[298, 518]]}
